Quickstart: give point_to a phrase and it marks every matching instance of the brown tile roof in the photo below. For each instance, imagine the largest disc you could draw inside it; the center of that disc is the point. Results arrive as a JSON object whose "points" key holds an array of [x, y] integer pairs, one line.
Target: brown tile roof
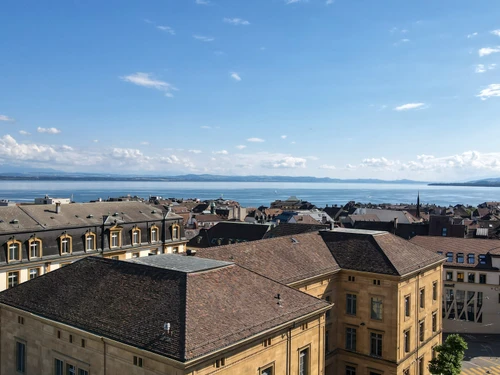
{"points": [[378, 252], [228, 232], [208, 218], [286, 259], [460, 245], [131, 302], [13, 219], [290, 229], [305, 219]]}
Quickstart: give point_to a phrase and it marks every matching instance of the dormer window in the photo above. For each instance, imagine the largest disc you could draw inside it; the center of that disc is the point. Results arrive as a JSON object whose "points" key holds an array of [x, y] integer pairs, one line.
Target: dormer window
{"points": [[460, 257], [136, 236], [175, 232], [35, 248], [13, 251], [90, 241], [115, 237], [449, 257], [482, 259], [65, 244], [471, 259], [154, 234]]}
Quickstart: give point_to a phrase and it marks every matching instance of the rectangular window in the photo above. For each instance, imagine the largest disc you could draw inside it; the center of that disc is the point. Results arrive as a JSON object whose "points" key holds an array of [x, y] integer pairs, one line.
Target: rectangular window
{"points": [[460, 257], [83, 343], [471, 277], [349, 370], [449, 257], [327, 314], [82, 372], [304, 362], [434, 291], [350, 339], [34, 249], [421, 368], [14, 251], [90, 243], [12, 279], [154, 235], [376, 344], [407, 341], [137, 361], [175, 233], [20, 357], [421, 330], [482, 259], [449, 275], [422, 298], [460, 277], [482, 278], [407, 306], [376, 282], [70, 369], [267, 371], [444, 232], [135, 255], [34, 272], [434, 322], [64, 245], [351, 304], [351, 278], [58, 367], [376, 311], [135, 237], [327, 342], [114, 239], [471, 259]]}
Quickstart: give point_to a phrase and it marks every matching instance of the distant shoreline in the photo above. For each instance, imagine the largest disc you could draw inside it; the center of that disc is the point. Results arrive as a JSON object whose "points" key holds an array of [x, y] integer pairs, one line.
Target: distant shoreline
{"points": [[468, 184]]}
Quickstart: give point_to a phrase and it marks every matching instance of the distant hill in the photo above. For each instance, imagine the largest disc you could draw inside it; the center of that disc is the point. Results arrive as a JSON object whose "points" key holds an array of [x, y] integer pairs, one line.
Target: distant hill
{"points": [[487, 182]]}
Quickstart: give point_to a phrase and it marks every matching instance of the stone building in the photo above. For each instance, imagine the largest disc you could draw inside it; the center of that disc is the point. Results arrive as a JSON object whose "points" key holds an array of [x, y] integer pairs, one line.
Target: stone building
{"points": [[36, 239], [166, 314]]}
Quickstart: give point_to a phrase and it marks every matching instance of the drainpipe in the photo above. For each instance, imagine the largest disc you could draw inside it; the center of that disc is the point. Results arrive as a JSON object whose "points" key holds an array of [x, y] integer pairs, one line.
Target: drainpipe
{"points": [[102, 235], [288, 350], [104, 352]]}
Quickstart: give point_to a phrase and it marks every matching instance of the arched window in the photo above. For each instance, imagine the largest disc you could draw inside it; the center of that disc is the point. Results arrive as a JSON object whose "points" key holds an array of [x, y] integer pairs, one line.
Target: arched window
{"points": [[90, 241], [115, 237], [176, 230], [154, 233], [65, 244], [136, 236], [34, 248], [13, 250]]}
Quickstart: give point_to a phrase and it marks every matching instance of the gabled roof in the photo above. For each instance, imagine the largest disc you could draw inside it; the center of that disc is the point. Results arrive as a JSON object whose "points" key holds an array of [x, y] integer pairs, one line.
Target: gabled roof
{"points": [[290, 229], [131, 302], [228, 232], [378, 252]]}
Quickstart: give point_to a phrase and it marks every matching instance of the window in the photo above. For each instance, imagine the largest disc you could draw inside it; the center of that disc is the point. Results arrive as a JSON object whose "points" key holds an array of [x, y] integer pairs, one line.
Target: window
{"points": [[349, 370], [14, 250], [82, 372], [421, 330], [327, 314], [471, 259], [406, 371], [267, 371], [407, 341], [482, 278], [20, 357], [449, 275], [434, 352], [376, 344], [58, 334], [83, 343], [137, 361], [58, 367], [70, 339], [444, 232], [115, 239], [175, 232], [376, 312], [90, 241], [449, 257], [376, 282], [34, 272], [327, 342], [65, 243], [304, 362], [135, 255], [351, 304], [351, 278], [482, 259], [20, 320], [350, 338], [175, 250], [154, 233], [460, 277], [70, 369], [12, 279], [35, 246], [460, 257], [220, 362], [434, 291], [267, 342], [136, 237], [421, 367], [422, 298], [434, 322], [115, 257], [407, 305]]}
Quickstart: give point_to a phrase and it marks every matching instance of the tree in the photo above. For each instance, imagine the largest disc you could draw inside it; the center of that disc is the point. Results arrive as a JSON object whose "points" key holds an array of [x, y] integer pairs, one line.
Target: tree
{"points": [[449, 356]]}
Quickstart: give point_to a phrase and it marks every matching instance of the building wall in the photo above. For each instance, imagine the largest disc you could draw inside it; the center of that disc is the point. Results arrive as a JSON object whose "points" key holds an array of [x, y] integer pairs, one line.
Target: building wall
{"points": [[46, 340]]}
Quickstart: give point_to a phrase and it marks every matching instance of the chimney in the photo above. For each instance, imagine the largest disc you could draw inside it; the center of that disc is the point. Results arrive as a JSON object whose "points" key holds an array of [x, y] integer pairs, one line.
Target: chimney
{"points": [[395, 223], [331, 225], [58, 207]]}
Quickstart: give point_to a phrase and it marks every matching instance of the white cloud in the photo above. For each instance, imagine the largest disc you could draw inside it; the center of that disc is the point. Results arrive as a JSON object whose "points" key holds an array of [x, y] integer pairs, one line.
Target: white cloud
{"points": [[481, 68], [202, 2], [489, 92], [241, 147], [167, 29], [195, 151], [408, 106], [293, 142], [147, 80], [236, 21], [326, 166], [48, 130], [471, 35], [255, 140], [329, 2], [488, 51], [283, 137], [405, 40], [496, 32], [377, 163], [24, 132], [285, 162], [95, 141], [205, 127], [221, 152], [145, 143], [5, 118], [235, 76], [287, 2], [204, 38]]}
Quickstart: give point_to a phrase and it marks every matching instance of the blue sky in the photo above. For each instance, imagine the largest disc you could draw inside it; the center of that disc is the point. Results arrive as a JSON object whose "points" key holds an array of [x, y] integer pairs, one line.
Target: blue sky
{"points": [[348, 89]]}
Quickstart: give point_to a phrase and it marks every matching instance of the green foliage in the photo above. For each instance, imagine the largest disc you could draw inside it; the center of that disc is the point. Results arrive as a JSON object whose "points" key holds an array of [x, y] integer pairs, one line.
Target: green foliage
{"points": [[449, 356]]}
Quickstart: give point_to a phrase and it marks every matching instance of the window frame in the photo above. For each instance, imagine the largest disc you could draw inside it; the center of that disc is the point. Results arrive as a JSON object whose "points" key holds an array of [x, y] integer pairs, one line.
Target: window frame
{"points": [[421, 296], [350, 370], [176, 232], [407, 304], [379, 302], [306, 370], [421, 330], [473, 274], [17, 274], [460, 276], [39, 247], [350, 338], [482, 259], [65, 238], [24, 359], [435, 291], [434, 322], [269, 366], [115, 231], [136, 231], [353, 299], [38, 273], [471, 256], [378, 338], [407, 340], [449, 257], [484, 277], [92, 235], [19, 245], [460, 258], [154, 228]]}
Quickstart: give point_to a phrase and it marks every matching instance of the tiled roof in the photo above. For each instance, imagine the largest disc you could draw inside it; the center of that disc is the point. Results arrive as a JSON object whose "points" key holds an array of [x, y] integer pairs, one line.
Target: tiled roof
{"points": [[224, 232], [378, 252], [460, 245], [13, 219], [305, 219], [286, 259], [131, 303], [290, 229]]}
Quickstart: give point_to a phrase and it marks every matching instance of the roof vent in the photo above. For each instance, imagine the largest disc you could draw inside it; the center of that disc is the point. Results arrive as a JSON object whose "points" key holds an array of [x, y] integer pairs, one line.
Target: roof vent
{"points": [[153, 212], [115, 214], [90, 216], [294, 240], [14, 221]]}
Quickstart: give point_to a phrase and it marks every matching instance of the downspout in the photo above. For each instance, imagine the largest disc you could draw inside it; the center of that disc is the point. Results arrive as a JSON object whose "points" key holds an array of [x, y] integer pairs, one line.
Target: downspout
{"points": [[102, 235], [104, 353], [288, 350], [417, 322]]}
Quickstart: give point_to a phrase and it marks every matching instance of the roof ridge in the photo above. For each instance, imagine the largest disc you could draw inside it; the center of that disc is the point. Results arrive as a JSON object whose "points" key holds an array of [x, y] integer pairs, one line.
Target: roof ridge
{"points": [[384, 255]]}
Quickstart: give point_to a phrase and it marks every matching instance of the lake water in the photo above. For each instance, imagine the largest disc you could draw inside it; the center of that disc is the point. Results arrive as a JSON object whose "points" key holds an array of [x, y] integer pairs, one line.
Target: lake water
{"points": [[251, 194]]}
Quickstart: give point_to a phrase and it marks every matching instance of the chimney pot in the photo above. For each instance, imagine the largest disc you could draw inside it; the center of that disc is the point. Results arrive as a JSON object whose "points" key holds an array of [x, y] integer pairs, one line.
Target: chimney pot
{"points": [[58, 207]]}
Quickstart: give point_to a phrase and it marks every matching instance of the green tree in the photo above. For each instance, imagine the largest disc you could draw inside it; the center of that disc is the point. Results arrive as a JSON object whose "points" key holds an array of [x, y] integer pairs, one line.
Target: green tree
{"points": [[449, 356]]}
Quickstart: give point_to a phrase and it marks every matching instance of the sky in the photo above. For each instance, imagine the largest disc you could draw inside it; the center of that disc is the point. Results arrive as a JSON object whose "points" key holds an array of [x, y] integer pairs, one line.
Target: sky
{"points": [[384, 89]]}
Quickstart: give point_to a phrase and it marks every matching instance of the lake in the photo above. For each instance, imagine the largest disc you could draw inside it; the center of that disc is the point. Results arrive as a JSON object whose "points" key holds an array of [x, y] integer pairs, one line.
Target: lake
{"points": [[251, 194]]}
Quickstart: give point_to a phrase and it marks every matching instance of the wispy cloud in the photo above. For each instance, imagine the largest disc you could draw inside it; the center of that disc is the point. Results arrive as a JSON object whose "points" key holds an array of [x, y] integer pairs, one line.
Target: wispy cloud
{"points": [[24, 132], [241, 147], [408, 106], [145, 143], [202, 2], [329, 2], [195, 151], [203, 38], [287, 162], [95, 141], [258, 140], [283, 137], [469, 36], [236, 21], [205, 127], [167, 29], [221, 152], [287, 2], [6, 118], [490, 92], [496, 32], [481, 68], [48, 130], [326, 166], [147, 80], [235, 76], [402, 41], [488, 51]]}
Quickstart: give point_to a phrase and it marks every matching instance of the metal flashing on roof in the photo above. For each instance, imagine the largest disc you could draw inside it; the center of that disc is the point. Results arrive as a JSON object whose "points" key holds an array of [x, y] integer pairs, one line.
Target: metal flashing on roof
{"points": [[181, 263]]}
